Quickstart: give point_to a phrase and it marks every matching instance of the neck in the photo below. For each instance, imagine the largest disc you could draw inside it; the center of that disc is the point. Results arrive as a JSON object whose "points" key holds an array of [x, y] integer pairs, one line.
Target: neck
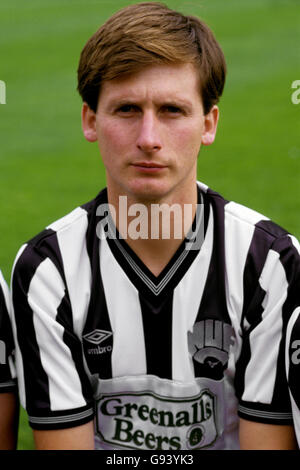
{"points": [[154, 229]]}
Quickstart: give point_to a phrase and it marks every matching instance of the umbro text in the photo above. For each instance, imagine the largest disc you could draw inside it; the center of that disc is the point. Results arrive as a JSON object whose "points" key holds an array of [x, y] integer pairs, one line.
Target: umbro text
{"points": [[99, 350]]}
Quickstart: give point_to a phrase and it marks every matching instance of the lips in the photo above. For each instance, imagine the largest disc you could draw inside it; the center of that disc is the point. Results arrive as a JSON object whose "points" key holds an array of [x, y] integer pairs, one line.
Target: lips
{"points": [[149, 168], [148, 165]]}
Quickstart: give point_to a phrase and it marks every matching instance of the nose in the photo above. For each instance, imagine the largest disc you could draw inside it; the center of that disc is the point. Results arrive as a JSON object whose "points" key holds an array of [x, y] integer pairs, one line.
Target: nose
{"points": [[148, 139]]}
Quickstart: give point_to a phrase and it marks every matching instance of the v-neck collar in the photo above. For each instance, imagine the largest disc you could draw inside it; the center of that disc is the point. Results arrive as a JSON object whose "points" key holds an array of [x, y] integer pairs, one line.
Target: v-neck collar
{"points": [[140, 275]]}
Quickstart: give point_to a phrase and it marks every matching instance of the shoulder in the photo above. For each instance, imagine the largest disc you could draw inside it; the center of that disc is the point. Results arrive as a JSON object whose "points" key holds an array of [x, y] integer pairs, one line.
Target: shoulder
{"points": [[242, 218], [64, 235]]}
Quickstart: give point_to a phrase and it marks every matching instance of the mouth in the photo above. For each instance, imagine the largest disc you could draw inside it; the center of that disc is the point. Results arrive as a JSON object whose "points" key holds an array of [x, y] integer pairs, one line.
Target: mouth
{"points": [[149, 167]]}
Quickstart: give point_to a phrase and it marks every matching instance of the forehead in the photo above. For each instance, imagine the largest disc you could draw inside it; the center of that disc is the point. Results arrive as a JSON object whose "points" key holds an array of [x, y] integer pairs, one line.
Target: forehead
{"points": [[159, 82]]}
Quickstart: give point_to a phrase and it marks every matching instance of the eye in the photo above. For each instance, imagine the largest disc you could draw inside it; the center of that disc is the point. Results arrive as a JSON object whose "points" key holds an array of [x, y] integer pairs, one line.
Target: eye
{"points": [[127, 109], [172, 109]]}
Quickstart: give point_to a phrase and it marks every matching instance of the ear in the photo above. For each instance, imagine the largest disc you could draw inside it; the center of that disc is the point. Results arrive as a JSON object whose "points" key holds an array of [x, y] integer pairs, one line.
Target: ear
{"points": [[88, 121], [210, 126]]}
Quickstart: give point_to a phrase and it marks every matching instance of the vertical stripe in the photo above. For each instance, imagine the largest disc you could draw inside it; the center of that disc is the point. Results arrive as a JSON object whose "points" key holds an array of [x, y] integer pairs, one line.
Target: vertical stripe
{"points": [[18, 355], [25, 265], [74, 255], [290, 261], [238, 244], [245, 295], [186, 302], [6, 340], [128, 357], [45, 294], [265, 337], [5, 292], [97, 316], [69, 254], [157, 325], [71, 340], [213, 303]]}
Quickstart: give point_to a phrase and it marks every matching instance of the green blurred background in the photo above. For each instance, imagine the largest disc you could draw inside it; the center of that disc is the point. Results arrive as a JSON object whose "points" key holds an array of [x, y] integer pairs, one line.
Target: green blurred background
{"points": [[46, 166]]}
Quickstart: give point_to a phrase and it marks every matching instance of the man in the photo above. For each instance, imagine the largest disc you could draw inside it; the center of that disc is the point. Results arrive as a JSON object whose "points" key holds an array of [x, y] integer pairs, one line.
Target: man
{"points": [[138, 331], [8, 389]]}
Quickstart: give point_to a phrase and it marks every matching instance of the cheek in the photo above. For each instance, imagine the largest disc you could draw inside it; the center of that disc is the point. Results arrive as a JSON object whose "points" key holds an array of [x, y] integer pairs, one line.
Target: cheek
{"points": [[113, 138], [186, 141]]}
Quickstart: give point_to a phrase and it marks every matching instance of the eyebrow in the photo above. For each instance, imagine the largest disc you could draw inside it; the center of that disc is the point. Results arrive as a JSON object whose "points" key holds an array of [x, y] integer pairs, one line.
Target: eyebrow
{"points": [[176, 102]]}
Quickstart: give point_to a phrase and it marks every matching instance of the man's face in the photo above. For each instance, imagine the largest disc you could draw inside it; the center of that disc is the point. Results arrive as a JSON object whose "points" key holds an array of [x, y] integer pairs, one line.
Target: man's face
{"points": [[149, 128]]}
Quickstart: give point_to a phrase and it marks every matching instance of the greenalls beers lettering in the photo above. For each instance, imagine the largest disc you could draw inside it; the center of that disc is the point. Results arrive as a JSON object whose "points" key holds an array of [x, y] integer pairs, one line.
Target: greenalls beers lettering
{"points": [[147, 421]]}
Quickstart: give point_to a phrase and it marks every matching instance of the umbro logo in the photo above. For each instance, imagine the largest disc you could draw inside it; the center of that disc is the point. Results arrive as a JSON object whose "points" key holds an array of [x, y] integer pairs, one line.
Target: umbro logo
{"points": [[97, 336]]}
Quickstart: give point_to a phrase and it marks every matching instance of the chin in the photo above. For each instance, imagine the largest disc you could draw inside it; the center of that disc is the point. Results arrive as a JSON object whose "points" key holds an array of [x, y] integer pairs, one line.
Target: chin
{"points": [[149, 190]]}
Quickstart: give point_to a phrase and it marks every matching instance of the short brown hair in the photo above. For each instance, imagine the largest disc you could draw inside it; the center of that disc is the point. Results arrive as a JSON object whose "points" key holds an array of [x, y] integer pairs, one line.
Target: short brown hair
{"points": [[147, 34]]}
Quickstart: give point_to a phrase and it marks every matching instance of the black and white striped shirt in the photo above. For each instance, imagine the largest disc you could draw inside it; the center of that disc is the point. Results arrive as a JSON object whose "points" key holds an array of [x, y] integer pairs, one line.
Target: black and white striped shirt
{"points": [[7, 371], [166, 362]]}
